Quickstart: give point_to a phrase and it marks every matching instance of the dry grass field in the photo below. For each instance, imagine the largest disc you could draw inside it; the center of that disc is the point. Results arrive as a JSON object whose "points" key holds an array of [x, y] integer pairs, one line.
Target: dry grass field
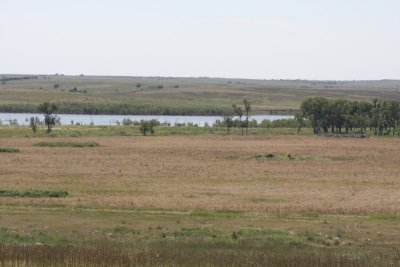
{"points": [[349, 176], [245, 192]]}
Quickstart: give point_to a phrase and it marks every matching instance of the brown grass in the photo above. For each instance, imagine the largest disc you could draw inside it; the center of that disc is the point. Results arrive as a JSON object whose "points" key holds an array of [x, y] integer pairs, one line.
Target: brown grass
{"points": [[212, 173], [164, 256]]}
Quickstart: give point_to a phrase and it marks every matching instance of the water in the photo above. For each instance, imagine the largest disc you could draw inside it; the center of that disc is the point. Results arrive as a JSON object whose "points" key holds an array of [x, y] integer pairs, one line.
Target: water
{"points": [[67, 119]]}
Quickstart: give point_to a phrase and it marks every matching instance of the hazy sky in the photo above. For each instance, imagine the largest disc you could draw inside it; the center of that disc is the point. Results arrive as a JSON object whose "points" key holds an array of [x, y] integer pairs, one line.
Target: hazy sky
{"points": [[308, 39]]}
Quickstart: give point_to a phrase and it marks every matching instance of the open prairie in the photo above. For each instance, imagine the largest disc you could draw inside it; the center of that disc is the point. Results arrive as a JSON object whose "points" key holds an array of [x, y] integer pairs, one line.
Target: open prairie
{"points": [[329, 176], [269, 200]]}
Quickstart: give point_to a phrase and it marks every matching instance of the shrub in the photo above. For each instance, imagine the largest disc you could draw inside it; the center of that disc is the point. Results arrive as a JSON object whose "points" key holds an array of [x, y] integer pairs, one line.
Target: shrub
{"points": [[33, 193], [8, 150], [67, 144], [148, 126], [49, 119]]}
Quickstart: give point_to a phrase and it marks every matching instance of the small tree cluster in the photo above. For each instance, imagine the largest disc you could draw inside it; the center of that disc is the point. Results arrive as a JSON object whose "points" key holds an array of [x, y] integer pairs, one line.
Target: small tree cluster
{"points": [[338, 115], [238, 111], [146, 127], [33, 123], [49, 119]]}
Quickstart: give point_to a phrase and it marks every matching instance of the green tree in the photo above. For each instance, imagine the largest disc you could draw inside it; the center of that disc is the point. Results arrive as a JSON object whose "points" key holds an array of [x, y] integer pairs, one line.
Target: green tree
{"points": [[49, 119], [315, 109], [238, 112], [393, 114], [338, 111], [247, 108], [378, 115], [300, 121], [147, 127], [33, 123], [228, 120]]}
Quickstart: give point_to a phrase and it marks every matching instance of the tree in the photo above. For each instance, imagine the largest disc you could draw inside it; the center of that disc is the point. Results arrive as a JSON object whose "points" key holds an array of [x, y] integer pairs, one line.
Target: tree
{"points": [[238, 112], [378, 115], [393, 114], [300, 120], [247, 108], [228, 119], [49, 119], [338, 111], [315, 109], [147, 126], [33, 123]]}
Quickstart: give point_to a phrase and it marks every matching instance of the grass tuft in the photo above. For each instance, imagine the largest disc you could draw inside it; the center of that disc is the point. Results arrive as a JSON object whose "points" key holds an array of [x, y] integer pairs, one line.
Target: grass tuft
{"points": [[8, 150], [33, 193], [288, 156], [67, 144]]}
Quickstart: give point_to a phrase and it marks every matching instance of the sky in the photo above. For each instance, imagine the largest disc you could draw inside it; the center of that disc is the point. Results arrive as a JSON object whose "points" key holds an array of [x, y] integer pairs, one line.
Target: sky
{"points": [[260, 39]]}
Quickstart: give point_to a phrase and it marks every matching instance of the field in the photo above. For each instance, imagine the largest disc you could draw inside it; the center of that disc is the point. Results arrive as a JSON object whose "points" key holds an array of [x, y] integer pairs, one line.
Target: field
{"points": [[157, 95], [203, 200]]}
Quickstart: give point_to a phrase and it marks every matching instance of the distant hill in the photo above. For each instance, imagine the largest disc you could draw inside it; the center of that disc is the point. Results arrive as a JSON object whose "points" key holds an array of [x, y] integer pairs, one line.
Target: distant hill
{"points": [[168, 95]]}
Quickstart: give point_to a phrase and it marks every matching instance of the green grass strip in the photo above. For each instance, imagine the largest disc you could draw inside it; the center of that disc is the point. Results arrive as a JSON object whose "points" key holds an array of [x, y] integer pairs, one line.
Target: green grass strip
{"points": [[67, 144], [33, 193], [8, 150]]}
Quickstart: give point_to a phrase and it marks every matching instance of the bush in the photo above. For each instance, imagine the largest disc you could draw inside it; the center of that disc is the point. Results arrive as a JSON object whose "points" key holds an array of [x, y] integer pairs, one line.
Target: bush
{"points": [[9, 150], [67, 144], [148, 126], [33, 193]]}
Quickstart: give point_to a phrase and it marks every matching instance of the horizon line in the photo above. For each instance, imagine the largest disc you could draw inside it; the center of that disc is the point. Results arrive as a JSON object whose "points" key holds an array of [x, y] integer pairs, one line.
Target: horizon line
{"points": [[201, 77]]}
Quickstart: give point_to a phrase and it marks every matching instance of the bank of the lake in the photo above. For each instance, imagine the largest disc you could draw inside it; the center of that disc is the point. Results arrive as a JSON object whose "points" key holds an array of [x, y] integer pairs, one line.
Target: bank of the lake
{"points": [[68, 131]]}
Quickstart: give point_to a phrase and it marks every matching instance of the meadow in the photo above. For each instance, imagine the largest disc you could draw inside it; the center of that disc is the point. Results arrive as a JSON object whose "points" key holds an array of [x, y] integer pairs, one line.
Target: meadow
{"points": [[272, 200], [194, 196], [177, 96]]}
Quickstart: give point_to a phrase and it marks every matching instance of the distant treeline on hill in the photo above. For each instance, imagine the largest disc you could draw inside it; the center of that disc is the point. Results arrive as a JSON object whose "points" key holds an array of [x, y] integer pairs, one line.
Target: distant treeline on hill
{"points": [[128, 109], [7, 79], [380, 116]]}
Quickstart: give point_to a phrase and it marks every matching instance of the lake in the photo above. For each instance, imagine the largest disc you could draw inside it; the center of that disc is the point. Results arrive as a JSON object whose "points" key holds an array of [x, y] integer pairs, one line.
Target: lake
{"points": [[67, 119]]}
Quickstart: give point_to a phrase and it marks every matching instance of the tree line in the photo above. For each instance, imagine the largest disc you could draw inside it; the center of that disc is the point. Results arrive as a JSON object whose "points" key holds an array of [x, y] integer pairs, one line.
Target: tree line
{"points": [[5, 79], [321, 114], [344, 116]]}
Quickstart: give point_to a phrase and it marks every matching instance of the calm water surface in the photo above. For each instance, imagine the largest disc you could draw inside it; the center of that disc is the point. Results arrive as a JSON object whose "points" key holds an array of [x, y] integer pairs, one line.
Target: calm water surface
{"points": [[68, 119]]}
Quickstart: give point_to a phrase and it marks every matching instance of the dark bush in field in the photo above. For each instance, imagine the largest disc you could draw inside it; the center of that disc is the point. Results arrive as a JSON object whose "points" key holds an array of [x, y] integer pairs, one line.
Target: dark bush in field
{"points": [[8, 150], [33, 193], [67, 144]]}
